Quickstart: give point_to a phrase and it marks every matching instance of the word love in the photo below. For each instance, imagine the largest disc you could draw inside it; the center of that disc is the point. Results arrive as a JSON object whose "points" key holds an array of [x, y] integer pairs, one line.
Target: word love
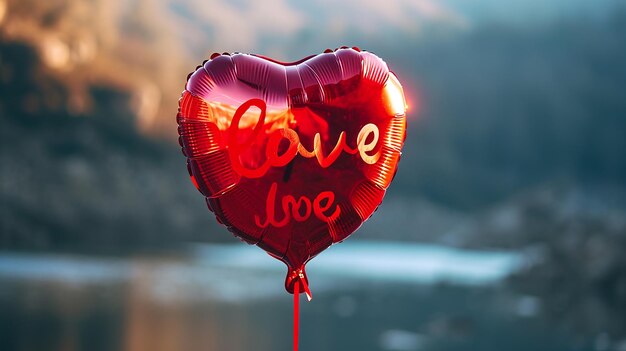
{"points": [[300, 210], [274, 159]]}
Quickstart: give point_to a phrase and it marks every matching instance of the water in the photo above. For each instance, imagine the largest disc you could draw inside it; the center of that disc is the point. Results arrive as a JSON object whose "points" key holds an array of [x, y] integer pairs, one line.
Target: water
{"points": [[367, 296]]}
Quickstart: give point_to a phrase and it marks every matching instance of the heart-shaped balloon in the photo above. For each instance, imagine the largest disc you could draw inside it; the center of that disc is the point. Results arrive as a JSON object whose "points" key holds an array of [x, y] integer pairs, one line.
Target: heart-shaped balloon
{"points": [[293, 157]]}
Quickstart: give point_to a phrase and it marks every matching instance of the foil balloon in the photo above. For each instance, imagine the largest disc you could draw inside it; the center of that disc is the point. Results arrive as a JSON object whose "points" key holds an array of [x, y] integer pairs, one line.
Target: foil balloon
{"points": [[293, 157]]}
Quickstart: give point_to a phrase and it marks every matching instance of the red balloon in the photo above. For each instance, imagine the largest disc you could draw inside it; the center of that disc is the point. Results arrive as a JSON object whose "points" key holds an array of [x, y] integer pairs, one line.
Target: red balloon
{"points": [[293, 157]]}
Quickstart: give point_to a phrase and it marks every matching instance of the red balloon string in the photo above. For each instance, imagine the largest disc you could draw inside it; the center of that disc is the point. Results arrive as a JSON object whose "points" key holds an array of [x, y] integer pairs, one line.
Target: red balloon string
{"points": [[296, 314], [296, 306]]}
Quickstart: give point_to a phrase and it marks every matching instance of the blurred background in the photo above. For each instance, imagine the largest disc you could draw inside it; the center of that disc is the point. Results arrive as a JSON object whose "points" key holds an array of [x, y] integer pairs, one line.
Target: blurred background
{"points": [[505, 228]]}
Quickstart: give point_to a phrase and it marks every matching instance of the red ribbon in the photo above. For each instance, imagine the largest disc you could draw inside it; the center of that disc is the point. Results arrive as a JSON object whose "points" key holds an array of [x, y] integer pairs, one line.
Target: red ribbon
{"points": [[296, 314], [296, 306]]}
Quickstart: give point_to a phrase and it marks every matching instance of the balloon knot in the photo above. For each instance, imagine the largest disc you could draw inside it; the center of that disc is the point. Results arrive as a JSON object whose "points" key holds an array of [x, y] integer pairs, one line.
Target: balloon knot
{"points": [[298, 278]]}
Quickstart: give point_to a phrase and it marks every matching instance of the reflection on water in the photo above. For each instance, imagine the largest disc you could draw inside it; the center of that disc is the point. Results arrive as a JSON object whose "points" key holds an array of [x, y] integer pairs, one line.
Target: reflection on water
{"points": [[367, 296]]}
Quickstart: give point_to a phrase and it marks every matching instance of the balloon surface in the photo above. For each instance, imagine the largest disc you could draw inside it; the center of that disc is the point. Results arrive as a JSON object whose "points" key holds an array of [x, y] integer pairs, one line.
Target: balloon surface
{"points": [[292, 157]]}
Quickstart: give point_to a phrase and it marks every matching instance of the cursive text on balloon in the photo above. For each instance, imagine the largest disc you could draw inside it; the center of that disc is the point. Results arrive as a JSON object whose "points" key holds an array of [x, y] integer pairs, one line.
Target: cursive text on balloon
{"points": [[300, 210], [274, 159]]}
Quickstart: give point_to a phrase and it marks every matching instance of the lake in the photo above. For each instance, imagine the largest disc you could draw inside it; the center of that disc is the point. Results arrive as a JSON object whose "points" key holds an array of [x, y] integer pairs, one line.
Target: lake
{"points": [[368, 295]]}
